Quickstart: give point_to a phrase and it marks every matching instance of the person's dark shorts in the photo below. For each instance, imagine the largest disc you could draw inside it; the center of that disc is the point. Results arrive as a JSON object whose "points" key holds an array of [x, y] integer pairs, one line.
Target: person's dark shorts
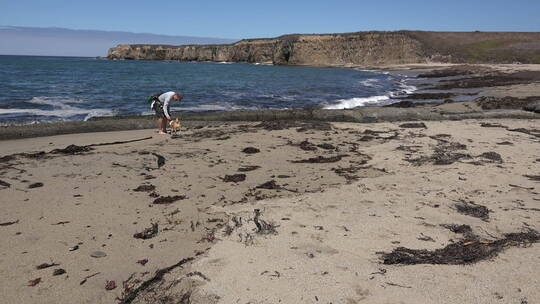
{"points": [[158, 108]]}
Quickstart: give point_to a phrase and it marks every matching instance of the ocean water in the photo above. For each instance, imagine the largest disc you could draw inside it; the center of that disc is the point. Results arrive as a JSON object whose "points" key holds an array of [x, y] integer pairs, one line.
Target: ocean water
{"points": [[66, 88]]}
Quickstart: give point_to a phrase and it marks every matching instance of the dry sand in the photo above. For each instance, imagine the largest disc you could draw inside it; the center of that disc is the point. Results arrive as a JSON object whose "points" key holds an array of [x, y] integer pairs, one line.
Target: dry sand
{"points": [[328, 227]]}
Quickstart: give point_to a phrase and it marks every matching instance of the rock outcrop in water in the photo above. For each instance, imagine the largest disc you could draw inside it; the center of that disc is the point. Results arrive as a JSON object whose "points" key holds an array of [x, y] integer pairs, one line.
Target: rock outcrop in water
{"points": [[354, 49]]}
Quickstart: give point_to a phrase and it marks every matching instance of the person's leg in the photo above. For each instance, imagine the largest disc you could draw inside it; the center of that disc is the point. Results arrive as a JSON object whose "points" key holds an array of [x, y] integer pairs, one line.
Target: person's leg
{"points": [[159, 123], [163, 126]]}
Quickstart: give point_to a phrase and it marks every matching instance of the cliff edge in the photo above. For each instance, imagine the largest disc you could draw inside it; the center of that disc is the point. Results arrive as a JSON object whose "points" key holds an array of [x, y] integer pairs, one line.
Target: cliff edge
{"points": [[368, 49]]}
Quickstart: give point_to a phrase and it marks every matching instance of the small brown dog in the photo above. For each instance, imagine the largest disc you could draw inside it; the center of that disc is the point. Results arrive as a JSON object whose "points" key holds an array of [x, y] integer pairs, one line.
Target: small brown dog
{"points": [[175, 126]]}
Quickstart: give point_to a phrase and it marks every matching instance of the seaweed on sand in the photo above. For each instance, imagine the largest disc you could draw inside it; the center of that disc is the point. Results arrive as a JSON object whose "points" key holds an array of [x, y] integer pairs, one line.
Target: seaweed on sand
{"points": [[165, 200], [145, 188], [147, 233], [467, 251], [130, 293], [444, 153], [472, 209], [234, 178], [320, 159], [535, 178], [493, 156], [412, 125]]}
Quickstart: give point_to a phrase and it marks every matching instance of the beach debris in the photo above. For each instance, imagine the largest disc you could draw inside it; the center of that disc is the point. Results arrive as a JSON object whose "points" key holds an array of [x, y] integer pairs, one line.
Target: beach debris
{"points": [[251, 150], [59, 271], [412, 125], [472, 209], [444, 153], [4, 184], [505, 143], [72, 150], [269, 185], [491, 125], [73, 248], [129, 295], [469, 250], [248, 168], [145, 188], [263, 227], [231, 227], [34, 282], [198, 274], [46, 265], [307, 146], [142, 262], [88, 277], [425, 238], [327, 146], [496, 157], [160, 160], [235, 178], [532, 132], [110, 285], [120, 142], [320, 159], [535, 178], [165, 200], [35, 185], [9, 223], [61, 223], [460, 229], [98, 254], [397, 285], [147, 233]]}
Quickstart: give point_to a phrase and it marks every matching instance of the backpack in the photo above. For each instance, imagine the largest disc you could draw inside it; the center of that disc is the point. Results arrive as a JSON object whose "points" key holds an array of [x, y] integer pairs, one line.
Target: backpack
{"points": [[151, 98]]}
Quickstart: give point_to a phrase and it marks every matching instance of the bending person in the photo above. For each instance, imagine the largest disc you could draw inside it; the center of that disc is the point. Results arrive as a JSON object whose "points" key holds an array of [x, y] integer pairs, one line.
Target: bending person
{"points": [[161, 104]]}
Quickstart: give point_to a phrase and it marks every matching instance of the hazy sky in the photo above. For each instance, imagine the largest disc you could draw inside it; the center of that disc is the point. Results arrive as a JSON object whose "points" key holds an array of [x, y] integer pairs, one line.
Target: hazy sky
{"points": [[243, 18]]}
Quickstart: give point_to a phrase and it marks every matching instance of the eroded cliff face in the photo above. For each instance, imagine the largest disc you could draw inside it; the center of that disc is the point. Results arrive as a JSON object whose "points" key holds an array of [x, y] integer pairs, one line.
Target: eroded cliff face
{"points": [[353, 49]]}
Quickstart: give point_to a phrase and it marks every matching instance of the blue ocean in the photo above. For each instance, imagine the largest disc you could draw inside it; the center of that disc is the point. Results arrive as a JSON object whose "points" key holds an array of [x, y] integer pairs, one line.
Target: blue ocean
{"points": [[34, 89]]}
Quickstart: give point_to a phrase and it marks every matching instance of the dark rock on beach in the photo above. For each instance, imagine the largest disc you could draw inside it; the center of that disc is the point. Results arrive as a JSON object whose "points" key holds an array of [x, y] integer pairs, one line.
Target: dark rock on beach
{"points": [[251, 150]]}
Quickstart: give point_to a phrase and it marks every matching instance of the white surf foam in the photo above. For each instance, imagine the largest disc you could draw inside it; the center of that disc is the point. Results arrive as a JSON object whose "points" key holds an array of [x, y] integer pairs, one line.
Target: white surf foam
{"points": [[61, 108], [357, 102], [372, 82]]}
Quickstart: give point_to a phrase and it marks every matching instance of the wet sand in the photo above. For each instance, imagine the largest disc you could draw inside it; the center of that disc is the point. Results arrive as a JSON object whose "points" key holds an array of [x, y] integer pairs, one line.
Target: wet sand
{"points": [[332, 198]]}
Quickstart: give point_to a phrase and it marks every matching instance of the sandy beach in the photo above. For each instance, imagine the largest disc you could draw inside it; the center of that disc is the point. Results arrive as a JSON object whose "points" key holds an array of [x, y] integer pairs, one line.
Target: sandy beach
{"points": [[333, 198], [413, 203]]}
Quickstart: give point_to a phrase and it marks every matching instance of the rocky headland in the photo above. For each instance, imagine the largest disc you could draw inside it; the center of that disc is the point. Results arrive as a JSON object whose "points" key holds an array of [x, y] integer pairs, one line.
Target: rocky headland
{"points": [[364, 49]]}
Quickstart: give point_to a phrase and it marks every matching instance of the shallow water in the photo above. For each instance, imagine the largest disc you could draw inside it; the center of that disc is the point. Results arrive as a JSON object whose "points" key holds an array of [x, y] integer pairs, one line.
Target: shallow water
{"points": [[68, 88]]}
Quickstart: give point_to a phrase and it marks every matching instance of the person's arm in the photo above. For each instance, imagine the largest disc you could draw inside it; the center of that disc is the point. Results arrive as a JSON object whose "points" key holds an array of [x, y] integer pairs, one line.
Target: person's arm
{"points": [[166, 107]]}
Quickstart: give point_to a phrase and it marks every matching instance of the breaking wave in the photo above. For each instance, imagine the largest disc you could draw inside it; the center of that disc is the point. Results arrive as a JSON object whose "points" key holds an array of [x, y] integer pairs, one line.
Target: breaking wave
{"points": [[61, 108]]}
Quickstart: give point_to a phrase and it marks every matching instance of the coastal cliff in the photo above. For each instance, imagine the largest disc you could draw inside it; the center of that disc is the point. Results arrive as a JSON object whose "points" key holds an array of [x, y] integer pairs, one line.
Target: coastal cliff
{"points": [[354, 49]]}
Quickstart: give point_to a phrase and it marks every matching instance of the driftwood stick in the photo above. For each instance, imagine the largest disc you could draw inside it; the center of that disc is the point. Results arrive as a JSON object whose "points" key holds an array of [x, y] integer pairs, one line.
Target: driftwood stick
{"points": [[119, 142]]}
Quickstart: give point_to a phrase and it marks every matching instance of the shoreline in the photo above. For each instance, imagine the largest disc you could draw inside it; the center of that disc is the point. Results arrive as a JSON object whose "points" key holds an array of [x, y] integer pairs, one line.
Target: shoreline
{"points": [[442, 112], [432, 100]]}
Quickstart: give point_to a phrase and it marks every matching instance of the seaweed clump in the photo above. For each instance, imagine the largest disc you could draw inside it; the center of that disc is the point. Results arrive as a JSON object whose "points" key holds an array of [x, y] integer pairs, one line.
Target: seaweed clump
{"points": [[467, 251]]}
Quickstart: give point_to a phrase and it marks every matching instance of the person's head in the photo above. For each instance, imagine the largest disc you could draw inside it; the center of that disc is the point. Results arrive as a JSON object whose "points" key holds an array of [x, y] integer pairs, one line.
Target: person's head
{"points": [[178, 96]]}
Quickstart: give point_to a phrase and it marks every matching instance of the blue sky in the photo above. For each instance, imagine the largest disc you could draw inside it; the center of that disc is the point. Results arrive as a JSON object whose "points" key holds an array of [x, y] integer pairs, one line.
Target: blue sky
{"points": [[244, 19]]}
